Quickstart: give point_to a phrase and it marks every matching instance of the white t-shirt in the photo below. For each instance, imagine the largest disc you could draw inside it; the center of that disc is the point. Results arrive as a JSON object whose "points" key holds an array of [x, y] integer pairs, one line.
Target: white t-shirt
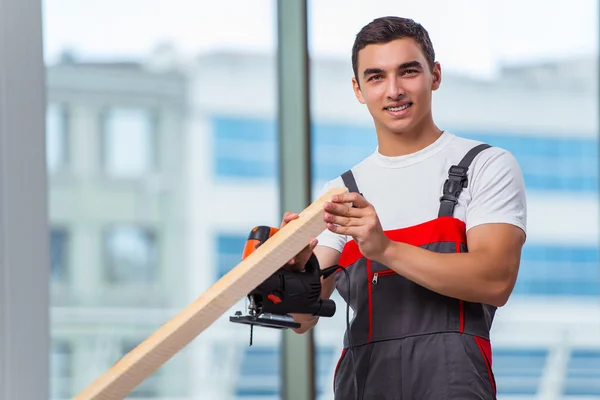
{"points": [[405, 190]]}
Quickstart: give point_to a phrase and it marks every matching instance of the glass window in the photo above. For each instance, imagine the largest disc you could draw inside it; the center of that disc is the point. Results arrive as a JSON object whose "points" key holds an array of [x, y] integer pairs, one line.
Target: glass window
{"points": [[131, 255], [499, 85], [59, 253], [60, 368], [229, 252], [57, 137], [128, 142], [583, 373], [259, 379], [245, 148], [147, 93]]}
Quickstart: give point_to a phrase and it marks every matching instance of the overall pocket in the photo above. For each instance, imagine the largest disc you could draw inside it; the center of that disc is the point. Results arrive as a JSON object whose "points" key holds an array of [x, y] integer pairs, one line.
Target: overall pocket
{"points": [[376, 275], [485, 349], [387, 304], [478, 351], [339, 362], [400, 308]]}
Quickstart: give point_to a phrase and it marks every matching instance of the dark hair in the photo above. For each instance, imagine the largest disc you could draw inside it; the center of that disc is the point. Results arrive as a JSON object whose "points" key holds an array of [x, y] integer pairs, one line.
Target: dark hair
{"points": [[384, 30]]}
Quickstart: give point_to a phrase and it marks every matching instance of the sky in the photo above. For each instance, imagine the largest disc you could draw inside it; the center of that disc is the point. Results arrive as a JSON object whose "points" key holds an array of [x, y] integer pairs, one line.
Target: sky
{"points": [[471, 36]]}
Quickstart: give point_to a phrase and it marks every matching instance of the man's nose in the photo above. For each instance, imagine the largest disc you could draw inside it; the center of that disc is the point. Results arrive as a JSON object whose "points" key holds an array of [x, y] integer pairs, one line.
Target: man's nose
{"points": [[394, 89]]}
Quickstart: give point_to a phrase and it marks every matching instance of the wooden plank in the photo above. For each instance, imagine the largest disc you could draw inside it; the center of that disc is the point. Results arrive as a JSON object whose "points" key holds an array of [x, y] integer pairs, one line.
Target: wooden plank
{"points": [[178, 332]]}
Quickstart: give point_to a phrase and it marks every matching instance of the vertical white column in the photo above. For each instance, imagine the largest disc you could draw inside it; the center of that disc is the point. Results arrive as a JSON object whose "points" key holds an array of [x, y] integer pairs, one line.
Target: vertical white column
{"points": [[24, 253]]}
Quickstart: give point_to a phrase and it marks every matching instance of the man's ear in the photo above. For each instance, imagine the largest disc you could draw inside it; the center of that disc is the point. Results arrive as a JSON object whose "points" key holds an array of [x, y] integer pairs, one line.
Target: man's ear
{"points": [[357, 91], [437, 76]]}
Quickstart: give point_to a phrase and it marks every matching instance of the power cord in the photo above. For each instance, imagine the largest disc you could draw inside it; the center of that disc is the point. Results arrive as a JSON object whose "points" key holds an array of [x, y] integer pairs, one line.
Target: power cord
{"points": [[326, 273]]}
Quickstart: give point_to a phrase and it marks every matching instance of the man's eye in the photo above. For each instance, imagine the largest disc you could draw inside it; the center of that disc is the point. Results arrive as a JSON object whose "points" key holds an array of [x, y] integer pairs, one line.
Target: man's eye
{"points": [[410, 71], [375, 77]]}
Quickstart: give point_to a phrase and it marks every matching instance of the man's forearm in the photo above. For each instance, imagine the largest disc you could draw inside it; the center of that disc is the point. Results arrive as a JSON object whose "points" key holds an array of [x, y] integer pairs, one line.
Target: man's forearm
{"points": [[476, 276]]}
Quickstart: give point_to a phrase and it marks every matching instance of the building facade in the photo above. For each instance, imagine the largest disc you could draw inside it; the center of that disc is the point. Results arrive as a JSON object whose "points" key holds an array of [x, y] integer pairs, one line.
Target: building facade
{"points": [[115, 139]]}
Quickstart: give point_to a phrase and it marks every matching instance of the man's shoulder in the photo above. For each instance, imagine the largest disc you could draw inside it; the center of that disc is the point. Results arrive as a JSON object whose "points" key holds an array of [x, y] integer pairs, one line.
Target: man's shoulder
{"points": [[496, 188], [460, 146]]}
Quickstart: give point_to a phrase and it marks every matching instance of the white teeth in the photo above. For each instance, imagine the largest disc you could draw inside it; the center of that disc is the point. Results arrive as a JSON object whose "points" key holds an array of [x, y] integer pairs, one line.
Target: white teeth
{"points": [[394, 109]]}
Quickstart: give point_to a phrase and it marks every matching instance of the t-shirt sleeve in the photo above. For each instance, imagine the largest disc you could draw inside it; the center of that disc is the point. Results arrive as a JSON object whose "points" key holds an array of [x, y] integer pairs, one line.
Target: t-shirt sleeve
{"points": [[328, 238], [498, 192]]}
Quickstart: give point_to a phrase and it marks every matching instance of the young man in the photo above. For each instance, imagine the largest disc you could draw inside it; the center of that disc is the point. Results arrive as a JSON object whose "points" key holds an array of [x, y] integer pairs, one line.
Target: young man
{"points": [[432, 241]]}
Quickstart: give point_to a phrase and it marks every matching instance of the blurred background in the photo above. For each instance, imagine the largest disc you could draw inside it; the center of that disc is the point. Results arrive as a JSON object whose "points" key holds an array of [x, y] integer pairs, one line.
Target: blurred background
{"points": [[162, 141]]}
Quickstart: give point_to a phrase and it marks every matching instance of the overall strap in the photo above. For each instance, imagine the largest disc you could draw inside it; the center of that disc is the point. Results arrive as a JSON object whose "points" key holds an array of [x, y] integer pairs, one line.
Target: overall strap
{"points": [[350, 182], [457, 181]]}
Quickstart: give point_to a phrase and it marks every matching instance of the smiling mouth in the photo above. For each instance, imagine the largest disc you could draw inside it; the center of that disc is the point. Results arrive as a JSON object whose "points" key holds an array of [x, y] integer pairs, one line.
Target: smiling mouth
{"points": [[399, 108]]}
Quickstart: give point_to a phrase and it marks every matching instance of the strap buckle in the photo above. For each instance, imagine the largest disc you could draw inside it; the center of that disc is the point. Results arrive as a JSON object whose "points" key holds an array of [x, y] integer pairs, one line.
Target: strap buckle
{"points": [[456, 182], [457, 170], [454, 186]]}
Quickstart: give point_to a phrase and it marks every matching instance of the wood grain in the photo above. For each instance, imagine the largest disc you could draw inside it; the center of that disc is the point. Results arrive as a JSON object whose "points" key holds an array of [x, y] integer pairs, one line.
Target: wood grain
{"points": [[178, 332]]}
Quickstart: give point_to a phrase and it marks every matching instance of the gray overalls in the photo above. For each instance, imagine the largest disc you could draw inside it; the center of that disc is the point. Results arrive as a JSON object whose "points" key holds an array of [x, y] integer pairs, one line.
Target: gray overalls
{"points": [[409, 342]]}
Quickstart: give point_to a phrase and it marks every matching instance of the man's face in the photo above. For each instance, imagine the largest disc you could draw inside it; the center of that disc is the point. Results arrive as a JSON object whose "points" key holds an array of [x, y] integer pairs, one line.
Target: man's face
{"points": [[396, 84]]}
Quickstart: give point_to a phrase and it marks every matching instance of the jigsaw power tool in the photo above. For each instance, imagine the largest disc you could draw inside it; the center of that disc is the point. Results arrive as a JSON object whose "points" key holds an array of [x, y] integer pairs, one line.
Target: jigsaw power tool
{"points": [[285, 292]]}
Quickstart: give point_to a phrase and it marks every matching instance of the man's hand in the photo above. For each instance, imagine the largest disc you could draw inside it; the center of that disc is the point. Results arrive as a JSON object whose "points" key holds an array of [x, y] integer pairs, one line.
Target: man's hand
{"points": [[361, 222], [326, 257], [298, 262]]}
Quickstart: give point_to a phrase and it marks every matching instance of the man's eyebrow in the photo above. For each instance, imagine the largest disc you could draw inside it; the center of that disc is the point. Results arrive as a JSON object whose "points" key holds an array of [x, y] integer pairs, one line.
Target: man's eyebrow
{"points": [[371, 71], [409, 64]]}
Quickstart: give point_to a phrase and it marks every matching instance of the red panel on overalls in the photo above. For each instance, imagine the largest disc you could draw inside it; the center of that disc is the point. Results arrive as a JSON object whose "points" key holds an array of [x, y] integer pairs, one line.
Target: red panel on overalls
{"points": [[408, 341]]}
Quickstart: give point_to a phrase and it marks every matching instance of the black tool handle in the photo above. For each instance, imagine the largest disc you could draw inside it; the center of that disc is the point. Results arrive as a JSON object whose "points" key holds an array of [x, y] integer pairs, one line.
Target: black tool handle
{"points": [[320, 308], [327, 308]]}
